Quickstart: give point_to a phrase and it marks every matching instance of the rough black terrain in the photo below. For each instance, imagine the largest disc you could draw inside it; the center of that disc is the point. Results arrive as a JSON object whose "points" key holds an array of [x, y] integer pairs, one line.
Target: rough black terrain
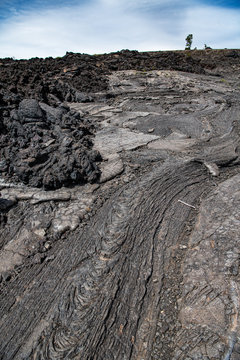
{"points": [[48, 147], [119, 209]]}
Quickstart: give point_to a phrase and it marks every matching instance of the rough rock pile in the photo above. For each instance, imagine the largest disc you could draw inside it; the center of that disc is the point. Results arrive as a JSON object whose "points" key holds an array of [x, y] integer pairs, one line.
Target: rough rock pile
{"points": [[47, 147]]}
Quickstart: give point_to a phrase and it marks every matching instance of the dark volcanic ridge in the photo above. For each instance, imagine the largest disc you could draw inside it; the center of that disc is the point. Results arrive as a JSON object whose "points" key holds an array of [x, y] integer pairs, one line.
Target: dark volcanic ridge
{"points": [[43, 143]]}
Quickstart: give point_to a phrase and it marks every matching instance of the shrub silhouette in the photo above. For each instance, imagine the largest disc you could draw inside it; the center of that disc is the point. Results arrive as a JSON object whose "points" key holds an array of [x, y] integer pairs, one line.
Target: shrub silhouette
{"points": [[189, 42]]}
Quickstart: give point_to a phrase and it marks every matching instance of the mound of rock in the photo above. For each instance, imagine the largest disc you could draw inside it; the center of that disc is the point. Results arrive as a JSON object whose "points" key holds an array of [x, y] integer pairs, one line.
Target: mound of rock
{"points": [[47, 147]]}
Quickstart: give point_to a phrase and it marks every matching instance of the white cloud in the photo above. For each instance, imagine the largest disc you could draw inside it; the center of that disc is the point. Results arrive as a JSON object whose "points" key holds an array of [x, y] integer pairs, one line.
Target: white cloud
{"points": [[215, 26], [110, 25]]}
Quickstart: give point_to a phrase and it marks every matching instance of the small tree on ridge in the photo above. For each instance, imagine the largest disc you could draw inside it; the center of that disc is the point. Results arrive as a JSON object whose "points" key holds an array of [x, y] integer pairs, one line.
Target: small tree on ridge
{"points": [[189, 42]]}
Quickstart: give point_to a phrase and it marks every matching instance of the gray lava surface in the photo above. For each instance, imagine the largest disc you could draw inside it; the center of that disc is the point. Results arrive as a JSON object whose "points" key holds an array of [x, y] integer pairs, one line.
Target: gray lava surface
{"points": [[119, 208]]}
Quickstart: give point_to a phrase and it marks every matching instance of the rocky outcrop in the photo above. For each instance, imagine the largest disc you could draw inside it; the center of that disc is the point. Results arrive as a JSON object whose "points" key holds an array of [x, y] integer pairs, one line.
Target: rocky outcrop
{"points": [[48, 147]]}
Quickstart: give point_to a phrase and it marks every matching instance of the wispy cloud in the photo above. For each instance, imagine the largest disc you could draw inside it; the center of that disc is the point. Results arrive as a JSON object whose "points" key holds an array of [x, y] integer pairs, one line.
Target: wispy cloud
{"points": [[98, 26], [218, 27]]}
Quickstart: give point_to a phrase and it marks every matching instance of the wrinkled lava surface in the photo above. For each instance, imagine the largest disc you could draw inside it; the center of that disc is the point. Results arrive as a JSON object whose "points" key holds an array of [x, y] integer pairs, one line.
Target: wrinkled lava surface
{"points": [[119, 206]]}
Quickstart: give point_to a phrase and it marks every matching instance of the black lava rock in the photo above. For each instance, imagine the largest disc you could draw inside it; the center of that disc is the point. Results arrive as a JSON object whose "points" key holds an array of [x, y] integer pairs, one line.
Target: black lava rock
{"points": [[48, 147]]}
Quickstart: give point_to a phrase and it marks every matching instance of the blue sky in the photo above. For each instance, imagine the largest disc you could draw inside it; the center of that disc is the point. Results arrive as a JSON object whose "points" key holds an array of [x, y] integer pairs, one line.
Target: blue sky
{"points": [[42, 28]]}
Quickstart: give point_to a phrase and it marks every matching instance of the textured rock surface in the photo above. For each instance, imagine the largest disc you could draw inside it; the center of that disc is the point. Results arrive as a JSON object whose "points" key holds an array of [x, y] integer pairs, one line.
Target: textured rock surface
{"points": [[47, 147], [210, 301], [145, 263]]}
